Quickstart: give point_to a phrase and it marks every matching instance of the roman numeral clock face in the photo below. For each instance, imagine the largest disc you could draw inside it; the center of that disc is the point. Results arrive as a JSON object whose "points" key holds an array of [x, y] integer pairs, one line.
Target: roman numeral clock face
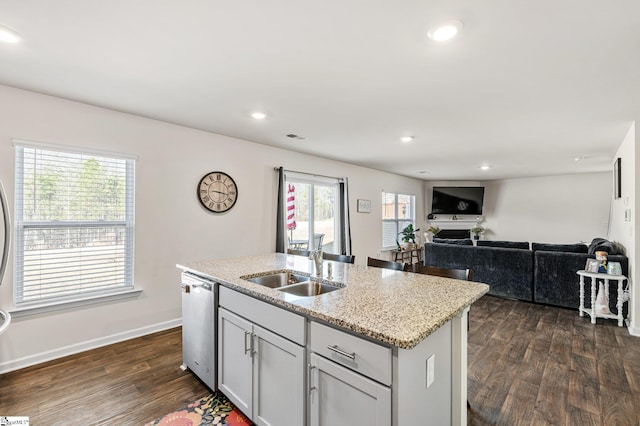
{"points": [[217, 192]]}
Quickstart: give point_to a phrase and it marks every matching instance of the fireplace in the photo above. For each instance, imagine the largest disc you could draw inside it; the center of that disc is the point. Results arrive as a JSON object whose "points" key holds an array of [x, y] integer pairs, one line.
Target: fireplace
{"points": [[457, 234]]}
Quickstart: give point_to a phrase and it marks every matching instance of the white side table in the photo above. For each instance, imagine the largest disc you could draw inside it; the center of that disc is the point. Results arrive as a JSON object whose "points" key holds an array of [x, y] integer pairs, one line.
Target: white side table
{"points": [[595, 276]]}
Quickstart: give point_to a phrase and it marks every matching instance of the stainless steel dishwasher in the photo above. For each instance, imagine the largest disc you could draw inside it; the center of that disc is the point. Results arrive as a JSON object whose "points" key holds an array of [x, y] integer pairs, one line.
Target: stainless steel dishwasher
{"points": [[199, 329]]}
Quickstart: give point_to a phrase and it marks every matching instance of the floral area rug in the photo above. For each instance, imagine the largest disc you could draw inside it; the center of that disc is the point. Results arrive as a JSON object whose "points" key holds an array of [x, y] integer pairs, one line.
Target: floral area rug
{"points": [[214, 409]]}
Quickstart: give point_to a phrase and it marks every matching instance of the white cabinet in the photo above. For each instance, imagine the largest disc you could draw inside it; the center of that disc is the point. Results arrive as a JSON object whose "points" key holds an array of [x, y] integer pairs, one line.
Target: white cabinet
{"points": [[235, 378], [338, 396], [278, 380], [260, 371], [350, 379], [360, 355]]}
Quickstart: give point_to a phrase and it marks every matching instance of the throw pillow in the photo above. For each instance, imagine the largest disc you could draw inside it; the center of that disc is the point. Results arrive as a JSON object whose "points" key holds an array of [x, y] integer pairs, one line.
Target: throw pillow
{"points": [[571, 248], [601, 244], [504, 244], [460, 242]]}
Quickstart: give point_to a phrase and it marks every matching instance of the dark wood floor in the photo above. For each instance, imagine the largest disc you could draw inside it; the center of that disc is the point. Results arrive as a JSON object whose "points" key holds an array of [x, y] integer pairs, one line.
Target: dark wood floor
{"points": [[129, 383], [537, 365], [528, 365]]}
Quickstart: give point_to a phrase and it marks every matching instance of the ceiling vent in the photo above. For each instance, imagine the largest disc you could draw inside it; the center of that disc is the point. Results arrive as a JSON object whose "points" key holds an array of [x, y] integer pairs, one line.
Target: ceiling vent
{"points": [[294, 136]]}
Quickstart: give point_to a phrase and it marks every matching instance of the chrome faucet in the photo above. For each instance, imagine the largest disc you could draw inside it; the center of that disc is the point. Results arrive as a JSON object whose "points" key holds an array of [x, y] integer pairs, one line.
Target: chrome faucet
{"points": [[316, 255]]}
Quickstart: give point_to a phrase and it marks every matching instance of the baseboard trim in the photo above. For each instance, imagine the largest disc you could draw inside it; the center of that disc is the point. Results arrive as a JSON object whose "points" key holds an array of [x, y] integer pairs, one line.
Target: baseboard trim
{"points": [[41, 357], [634, 331]]}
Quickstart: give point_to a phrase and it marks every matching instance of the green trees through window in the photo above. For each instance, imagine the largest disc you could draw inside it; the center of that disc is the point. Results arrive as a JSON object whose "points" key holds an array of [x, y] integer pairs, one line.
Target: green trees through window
{"points": [[74, 224]]}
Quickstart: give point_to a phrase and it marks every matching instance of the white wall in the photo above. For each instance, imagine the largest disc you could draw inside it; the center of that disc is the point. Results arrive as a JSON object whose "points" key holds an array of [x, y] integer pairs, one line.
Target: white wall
{"points": [[171, 226], [624, 229], [550, 209]]}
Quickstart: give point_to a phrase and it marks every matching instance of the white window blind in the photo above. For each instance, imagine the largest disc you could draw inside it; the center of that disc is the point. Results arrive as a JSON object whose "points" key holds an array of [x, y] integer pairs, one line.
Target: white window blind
{"points": [[398, 211], [74, 225]]}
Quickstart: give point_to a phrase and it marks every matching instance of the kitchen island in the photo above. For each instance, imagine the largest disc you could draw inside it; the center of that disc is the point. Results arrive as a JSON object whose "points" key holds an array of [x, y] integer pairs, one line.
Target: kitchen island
{"points": [[402, 336]]}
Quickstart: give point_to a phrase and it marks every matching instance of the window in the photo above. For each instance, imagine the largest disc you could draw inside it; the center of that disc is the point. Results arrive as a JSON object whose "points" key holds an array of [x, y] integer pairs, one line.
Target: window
{"points": [[398, 211], [74, 217], [313, 207]]}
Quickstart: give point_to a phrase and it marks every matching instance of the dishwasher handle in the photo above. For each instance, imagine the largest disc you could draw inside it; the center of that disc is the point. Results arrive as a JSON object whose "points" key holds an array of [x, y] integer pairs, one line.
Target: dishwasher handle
{"points": [[187, 287]]}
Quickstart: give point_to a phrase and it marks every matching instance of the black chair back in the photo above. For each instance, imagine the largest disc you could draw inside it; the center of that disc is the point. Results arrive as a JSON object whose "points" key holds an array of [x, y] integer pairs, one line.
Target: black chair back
{"points": [[344, 258], [385, 264], [298, 252], [458, 274]]}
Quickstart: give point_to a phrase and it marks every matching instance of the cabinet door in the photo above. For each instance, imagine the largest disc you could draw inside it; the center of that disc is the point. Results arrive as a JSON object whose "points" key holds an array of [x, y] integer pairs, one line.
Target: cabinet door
{"points": [[234, 359], [278, 380], [339, 396]]}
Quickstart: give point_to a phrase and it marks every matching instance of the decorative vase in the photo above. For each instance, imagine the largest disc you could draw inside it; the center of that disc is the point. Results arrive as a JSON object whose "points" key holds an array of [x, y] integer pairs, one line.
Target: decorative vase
{"points": [[614, 268], [602, 301]]}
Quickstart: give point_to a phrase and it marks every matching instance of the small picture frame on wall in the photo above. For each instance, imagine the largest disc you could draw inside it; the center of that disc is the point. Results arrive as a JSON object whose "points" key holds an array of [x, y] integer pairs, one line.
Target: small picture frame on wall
{"points": [[364, 206], [617, 178]]}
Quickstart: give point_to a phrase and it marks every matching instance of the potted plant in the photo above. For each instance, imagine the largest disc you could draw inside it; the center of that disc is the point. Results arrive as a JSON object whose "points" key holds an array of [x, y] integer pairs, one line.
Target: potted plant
{"points": [[433, 230], [409, 235], [476, 231]]}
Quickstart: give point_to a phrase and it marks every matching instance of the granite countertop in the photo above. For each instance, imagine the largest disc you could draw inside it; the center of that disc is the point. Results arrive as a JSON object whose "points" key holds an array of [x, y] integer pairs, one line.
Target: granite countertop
{"points": [[397, 308]]}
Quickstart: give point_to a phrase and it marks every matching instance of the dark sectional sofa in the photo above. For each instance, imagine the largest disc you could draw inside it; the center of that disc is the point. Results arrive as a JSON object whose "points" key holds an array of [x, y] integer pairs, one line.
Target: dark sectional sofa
{"points": [[546, 273]]}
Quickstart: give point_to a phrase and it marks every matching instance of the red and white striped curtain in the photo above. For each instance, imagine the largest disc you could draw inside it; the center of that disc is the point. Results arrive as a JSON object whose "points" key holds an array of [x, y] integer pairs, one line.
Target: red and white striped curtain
{"points": [[291, 207]]}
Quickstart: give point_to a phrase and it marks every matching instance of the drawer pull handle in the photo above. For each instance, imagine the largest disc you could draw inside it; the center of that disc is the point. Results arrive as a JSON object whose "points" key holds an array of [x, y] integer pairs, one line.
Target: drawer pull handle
{"points": [[336, 349]]}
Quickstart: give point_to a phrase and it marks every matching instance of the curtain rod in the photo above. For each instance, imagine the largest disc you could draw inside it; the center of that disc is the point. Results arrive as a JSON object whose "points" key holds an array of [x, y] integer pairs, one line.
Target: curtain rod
{"points": [[309, 174]]}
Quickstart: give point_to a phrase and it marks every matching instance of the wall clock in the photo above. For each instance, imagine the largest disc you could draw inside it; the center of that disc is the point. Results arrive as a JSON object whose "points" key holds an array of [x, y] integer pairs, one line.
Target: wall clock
{"points": [[217, 192]]}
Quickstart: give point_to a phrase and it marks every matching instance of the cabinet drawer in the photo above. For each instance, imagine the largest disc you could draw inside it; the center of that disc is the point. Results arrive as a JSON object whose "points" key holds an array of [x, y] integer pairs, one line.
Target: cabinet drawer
{"points": [[365, 357], [280, 321]]}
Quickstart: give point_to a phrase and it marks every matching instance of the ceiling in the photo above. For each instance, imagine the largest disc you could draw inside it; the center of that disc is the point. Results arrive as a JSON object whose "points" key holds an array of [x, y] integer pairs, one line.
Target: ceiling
{"points": [[526, 88]]}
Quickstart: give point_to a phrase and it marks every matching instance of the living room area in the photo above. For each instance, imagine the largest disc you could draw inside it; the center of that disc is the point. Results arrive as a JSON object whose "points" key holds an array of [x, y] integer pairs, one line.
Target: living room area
{"points": [[568, 211], [532, 358], [353, 90]]}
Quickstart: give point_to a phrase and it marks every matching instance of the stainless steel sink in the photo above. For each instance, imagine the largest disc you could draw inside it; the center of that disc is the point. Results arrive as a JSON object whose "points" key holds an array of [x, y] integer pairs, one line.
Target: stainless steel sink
{"points": [[293, 283], [309, 288], [280, 279]]}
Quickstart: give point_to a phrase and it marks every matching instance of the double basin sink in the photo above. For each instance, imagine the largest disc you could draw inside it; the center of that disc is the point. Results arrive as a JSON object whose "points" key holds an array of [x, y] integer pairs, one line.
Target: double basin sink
{"points": [[293, 283]]}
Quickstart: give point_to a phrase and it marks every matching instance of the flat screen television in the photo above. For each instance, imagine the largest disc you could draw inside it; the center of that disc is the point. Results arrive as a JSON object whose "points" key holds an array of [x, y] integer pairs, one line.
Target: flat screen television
{"points": [[457, 200]]}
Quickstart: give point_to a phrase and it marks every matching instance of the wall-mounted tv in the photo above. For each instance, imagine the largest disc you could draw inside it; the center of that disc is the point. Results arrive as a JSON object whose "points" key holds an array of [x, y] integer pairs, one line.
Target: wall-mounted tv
{"points": [[457, 200]]}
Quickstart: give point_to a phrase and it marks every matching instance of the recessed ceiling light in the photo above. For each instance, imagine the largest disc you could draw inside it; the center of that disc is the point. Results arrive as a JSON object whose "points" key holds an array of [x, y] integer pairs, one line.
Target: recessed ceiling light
{"points": [[258, 115], [8, 36], [485, 167], [445, 31], [406, 139]]}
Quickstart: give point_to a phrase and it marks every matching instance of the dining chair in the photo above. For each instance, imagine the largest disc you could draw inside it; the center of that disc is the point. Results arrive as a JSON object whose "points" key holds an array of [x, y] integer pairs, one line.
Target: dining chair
{"points": [[458, 274], [387, 264], [344, 258], [298, 252]]}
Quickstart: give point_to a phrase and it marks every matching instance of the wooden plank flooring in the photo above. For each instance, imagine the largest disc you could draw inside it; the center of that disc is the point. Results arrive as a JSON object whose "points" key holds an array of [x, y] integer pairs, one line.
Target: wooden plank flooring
{"points": [[528, 365], [128, 383], [540, 365]]}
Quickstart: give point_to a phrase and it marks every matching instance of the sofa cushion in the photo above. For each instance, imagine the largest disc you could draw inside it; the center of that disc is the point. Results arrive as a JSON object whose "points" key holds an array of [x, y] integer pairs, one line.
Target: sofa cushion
{"points": [[458, 241], [509, 272], [504, 244], [567, 248], [600, 244], [556, 282]]}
